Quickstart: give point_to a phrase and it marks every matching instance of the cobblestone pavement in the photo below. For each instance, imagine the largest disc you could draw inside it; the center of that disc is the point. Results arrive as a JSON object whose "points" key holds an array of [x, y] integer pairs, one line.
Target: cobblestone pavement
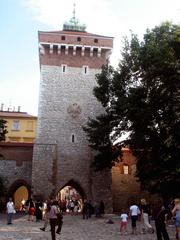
{"points": [[74, 228]]}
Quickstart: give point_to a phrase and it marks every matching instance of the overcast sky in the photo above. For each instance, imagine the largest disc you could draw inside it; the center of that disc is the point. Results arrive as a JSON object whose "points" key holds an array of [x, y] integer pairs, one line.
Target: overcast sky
{"points": [[20, 21]]}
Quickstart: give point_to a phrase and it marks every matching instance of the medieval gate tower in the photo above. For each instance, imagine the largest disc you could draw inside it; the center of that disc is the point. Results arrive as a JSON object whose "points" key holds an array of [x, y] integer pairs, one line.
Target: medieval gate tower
{"points": [[69, 60]]}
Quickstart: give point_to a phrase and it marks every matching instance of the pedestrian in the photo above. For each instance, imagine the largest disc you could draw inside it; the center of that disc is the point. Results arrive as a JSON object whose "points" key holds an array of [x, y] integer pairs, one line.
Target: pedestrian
{"points": [[123, 222], [59, 219], [160, 215], [31, 210], [10, 210], [145, 213], [54, 221], [134, 212], [101, 208], [85, 209], [72, 207], [176, 212], [38, 210], [46, 216]]}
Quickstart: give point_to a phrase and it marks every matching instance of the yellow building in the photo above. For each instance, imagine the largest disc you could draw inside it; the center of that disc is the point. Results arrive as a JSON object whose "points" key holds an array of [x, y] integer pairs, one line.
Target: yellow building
{"points": [[21, 126]]}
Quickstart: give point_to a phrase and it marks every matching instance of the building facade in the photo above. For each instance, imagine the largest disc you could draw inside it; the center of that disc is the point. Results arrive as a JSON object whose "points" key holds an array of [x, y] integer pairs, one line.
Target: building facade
{"points": [[21, 126], [69, 61]]}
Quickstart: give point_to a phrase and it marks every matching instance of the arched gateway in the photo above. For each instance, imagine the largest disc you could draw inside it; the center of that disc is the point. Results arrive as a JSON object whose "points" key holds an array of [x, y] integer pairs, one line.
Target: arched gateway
{"points": [[69, 61]]}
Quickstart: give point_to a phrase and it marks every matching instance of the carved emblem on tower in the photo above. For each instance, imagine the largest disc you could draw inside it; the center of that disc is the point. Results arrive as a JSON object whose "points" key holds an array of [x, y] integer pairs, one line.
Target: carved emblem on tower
{"points": [[74, 110]]}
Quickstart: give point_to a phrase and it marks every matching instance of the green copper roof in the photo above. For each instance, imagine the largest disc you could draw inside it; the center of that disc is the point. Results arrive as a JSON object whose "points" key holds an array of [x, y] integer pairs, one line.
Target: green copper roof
{"points": [[74, 25]]}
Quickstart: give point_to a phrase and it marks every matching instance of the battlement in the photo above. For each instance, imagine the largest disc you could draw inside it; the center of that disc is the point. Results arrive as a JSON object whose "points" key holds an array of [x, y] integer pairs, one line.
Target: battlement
{"points": [[70, 45]]}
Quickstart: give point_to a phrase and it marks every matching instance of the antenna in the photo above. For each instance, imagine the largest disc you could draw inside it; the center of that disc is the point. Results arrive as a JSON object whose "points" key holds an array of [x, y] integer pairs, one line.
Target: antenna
{"points": [[74, 11]]}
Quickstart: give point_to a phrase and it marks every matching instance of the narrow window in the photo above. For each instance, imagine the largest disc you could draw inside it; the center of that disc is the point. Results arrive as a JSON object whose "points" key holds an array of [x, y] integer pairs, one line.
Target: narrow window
{"points": [[78, 39], [63, 38], [125, 169], [73, 138], [95, 40], [64, 68], [85, 69]]}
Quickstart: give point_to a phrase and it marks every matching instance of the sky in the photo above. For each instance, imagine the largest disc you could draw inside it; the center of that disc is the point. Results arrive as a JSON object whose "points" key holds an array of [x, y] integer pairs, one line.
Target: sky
{"points": [[20, 21]]}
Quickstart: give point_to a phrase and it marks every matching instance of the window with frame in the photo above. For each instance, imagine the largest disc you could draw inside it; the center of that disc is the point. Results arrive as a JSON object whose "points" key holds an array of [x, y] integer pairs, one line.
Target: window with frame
{"points": [[125, 169], [79, 39], [63, 38], [95, 40], [16, 125]]}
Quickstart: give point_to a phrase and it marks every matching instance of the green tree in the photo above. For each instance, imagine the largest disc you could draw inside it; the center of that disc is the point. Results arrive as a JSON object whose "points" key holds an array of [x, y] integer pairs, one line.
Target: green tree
{"points": [[142, 98], [3, 129], [153, 111]]}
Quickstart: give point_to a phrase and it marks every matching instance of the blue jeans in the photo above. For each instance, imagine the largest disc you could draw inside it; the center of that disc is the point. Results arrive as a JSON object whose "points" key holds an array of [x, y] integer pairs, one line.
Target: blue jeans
{"points": [[9, 218]]}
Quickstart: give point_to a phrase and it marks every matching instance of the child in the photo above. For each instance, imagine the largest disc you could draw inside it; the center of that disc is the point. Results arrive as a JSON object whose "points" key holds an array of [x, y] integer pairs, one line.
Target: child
{"points": [[124, 221]]}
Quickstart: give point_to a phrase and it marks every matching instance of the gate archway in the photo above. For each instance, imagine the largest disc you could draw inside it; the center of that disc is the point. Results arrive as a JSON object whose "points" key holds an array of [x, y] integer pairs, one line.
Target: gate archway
{"points": [[20, 192], [72, 191]]}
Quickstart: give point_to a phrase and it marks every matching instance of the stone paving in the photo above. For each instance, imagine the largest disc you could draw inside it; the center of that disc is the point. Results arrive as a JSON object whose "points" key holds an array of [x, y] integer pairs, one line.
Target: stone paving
{"points": [[74, 228]]}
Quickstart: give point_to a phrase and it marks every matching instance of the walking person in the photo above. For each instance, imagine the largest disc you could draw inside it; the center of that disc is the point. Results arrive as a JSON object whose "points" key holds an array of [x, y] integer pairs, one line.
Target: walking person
{"points": [[46, 216], [10, 210], [31, 210], [176, 212], [85, 209], [124, 222], [145, 213], [160, 215], [53, 219], [134, 212], [59, 219]]}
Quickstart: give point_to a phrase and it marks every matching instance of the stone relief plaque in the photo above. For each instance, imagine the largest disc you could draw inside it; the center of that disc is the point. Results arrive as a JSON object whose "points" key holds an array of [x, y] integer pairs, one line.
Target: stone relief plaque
{"points": [[74, 110]]}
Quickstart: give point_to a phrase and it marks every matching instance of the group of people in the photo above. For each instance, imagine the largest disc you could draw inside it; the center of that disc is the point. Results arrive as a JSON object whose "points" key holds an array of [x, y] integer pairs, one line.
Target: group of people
{"points": [[51, 212], [160, 213]]}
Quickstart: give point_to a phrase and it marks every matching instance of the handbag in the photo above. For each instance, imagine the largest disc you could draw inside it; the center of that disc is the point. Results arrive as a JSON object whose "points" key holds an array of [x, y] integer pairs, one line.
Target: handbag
{"points": [[14, 211]]}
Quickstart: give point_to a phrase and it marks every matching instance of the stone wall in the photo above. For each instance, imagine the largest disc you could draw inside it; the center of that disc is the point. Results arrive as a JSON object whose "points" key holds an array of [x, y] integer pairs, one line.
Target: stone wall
{"points": [[16, 164], [65, 103]]}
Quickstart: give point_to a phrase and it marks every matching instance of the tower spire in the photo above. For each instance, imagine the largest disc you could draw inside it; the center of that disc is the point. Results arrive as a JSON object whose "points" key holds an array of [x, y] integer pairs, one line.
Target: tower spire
{"points": [[73, 24], [74, 10]]}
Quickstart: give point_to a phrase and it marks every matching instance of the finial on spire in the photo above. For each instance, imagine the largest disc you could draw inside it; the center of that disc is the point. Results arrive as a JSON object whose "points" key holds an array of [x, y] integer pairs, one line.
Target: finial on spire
{"points": [[74, 24], [74, 11]]}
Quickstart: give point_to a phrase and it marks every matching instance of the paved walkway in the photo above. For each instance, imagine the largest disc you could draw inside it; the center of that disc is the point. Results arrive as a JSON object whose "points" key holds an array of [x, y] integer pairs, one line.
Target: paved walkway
{"points": [[74, 228]]}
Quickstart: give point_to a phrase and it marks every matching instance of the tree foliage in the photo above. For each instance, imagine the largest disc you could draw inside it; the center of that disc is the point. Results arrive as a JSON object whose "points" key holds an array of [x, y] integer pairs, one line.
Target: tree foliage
{"points": [[3, 129], [142, 97]]}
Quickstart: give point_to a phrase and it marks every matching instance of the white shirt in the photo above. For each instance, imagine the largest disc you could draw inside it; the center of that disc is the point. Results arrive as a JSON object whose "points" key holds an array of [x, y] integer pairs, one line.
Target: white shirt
{"points": [[124, 217], [134, 210], [10, 207]]}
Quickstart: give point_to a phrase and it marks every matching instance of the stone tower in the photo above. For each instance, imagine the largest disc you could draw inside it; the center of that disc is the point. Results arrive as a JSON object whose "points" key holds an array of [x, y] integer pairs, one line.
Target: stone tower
{"points": [[69, 61]]}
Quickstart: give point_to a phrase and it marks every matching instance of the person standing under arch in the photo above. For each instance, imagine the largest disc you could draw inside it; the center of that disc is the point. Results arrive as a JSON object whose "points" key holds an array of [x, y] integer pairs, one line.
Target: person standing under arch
{"points": [[10, 210]]}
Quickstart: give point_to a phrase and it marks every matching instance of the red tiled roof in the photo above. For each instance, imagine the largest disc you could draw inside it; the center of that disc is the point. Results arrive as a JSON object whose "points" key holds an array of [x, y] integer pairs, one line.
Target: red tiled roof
{"points": [[15, 114]]}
